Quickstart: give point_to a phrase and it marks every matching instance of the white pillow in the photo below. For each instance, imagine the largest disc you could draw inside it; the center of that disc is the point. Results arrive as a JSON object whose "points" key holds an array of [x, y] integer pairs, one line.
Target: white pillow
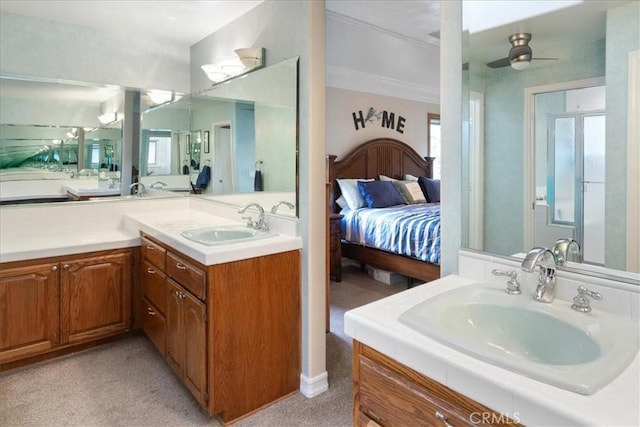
{"points": [[387, 178], [409, 177], [351, 192], [342, 202]]}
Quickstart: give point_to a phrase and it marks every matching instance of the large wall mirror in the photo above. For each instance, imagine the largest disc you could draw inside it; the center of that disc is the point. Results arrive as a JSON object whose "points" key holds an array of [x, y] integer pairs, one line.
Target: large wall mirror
{"points": [[51, 136], [547, 145], [235, 142], [246, 133]]}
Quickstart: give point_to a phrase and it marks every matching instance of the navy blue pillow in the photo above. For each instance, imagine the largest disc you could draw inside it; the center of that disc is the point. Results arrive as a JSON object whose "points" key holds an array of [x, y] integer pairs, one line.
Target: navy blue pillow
{"points": [[380, 194], [430, 188]]}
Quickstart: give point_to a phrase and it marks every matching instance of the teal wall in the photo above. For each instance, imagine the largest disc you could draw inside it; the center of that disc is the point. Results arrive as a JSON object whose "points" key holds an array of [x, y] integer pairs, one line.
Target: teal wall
{"points": [[623, 36], [504, 139]]}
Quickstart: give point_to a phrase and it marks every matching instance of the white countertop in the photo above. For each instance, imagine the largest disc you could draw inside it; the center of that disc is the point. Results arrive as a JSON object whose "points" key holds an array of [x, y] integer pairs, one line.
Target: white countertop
{"points": [[84, 227], [523, 399], [91, 191], [167, 226]]}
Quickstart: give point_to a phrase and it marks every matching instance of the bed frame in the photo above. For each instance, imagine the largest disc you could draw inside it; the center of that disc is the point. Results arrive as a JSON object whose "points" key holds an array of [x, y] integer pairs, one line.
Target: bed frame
{"points": [[393, 158]]}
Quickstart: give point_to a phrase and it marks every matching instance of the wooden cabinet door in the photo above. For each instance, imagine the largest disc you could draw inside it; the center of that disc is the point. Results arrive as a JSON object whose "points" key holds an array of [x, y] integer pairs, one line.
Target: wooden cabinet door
{"points": [[29, 310], [195, 346], [174, 341], [95, 297], [154, 325]]}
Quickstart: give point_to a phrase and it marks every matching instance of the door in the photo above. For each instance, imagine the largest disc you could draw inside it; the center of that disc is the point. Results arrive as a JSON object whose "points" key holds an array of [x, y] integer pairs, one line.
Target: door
{"points": [[29, 311], [174, 340], [95, 297], [576, 180], [195, 349], [222, 173]]}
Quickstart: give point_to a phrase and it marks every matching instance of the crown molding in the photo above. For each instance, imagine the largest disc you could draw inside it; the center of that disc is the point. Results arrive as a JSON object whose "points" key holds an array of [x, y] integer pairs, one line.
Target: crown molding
{"points": [[431, 42], [343, 78]]}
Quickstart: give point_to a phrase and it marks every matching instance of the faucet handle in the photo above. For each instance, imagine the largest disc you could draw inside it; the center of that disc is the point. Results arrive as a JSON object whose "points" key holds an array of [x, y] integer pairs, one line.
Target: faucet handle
{"points": [[250, 222], [581, 302], [513, 286]]}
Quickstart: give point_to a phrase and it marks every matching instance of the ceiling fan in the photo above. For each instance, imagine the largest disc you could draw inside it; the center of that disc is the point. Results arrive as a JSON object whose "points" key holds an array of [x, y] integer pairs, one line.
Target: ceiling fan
{"points": [[520, 54]]}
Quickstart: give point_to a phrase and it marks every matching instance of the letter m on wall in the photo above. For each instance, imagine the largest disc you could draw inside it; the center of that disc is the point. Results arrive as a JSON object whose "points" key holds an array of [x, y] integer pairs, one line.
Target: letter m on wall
{"points": [[388, 120]]}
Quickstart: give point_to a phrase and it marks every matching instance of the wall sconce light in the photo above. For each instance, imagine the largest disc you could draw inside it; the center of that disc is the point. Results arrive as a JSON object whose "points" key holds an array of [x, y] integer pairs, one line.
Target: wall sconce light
{"points": [[72, 133], [225, 68], [108, 118], [159, 97]]}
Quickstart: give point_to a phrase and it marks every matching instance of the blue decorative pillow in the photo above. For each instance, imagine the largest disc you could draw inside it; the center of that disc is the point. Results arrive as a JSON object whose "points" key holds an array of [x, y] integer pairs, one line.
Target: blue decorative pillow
{"points": [[380, 194], [351, 192], [430, 188]]}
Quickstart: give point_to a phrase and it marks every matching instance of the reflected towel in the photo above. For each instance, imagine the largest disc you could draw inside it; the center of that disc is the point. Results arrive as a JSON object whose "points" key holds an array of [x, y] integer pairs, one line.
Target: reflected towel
{"points": [[257, 181], [203, 177]]}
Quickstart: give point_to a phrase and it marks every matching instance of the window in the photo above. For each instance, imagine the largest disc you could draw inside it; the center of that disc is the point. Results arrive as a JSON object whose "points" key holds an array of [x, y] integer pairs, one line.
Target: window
{"points": [[433, 135], [151, 156], [95, 155]]}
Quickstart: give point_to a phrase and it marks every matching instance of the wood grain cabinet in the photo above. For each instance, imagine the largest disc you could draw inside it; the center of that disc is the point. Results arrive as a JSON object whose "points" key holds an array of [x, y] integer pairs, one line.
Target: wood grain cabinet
{"points": [[60, 302], [231, 332], [29, 310], [387, 393], [335, 247], [95, 297]]}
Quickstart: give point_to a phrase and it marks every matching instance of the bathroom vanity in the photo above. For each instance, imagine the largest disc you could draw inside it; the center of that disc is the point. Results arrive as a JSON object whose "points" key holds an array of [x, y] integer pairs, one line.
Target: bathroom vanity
{"points": [[403, 374], [231, 331], [226, 317], [60, 302]]}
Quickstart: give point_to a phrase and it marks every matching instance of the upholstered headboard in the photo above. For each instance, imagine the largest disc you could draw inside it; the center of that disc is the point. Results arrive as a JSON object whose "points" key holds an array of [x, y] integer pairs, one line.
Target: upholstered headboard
{"points": [[381, 156]]}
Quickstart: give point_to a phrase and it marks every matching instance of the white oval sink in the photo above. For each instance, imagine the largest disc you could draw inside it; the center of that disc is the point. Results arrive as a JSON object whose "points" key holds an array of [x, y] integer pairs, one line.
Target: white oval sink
{"points": [[211, 236], [580, 352]]}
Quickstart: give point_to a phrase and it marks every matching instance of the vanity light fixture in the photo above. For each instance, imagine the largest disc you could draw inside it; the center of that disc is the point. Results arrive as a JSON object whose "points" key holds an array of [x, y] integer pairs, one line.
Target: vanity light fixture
{"points": [[108, 118], [159, 97], [228, 67]]}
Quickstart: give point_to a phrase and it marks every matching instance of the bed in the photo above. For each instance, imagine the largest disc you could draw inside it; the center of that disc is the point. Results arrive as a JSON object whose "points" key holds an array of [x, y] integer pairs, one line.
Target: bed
{"points": [[393, 159]]}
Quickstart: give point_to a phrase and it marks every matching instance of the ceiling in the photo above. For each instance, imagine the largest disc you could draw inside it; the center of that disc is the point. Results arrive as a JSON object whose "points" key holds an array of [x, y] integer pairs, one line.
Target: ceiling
{"points": [[188, 22]]}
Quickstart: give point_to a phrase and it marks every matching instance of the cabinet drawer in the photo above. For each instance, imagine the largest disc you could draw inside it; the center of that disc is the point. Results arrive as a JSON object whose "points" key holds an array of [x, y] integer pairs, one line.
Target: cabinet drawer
{"points": [[154, 326], [189, 276], [153, 286], [391, 400], [154, 253]]}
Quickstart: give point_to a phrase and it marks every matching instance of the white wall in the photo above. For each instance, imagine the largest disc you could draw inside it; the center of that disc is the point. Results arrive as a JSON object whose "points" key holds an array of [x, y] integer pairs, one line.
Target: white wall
{"points": [[342, 135], [40, 48]]}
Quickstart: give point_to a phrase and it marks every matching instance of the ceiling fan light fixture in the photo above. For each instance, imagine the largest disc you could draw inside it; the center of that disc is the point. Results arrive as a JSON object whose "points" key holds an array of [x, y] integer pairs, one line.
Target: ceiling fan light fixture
{"points": [[517, 64]]}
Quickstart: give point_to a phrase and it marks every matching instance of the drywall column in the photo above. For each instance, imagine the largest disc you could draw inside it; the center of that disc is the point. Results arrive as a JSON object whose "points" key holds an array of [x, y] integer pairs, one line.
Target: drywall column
{"points": [[314, 379], [451, 112], [130, 141]]}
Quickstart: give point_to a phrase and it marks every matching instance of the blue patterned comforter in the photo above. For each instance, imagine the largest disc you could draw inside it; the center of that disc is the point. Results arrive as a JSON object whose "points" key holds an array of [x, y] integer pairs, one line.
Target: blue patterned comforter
{"points": [[410, 230]]}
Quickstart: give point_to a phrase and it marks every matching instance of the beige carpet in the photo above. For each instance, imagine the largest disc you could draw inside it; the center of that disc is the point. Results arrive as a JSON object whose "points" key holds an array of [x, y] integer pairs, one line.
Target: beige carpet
{"points": [[127, 383]]}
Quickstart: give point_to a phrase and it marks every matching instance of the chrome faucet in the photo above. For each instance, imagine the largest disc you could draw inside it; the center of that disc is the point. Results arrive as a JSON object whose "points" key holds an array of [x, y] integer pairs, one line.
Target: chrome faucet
{"points": [[561, 250], [282, 202], [261, 223], [158, 184], [546, 261], [141, 189]]}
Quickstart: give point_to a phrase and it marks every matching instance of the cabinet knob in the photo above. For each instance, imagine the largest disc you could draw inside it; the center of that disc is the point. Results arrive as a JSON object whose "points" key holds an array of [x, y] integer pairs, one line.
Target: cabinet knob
{"points": [[150, 311], [180, 266], [66, 266], [151, 247], [151, 270], [442, 418], [54, 268]]}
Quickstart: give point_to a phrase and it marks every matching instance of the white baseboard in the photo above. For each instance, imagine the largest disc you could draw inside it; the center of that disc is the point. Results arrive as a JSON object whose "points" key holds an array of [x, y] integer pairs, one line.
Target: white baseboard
{"points": [[312, 387]]}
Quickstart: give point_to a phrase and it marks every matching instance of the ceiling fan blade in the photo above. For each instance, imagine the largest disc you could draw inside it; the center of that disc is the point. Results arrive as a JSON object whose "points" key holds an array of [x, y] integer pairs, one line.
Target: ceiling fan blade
{"points": [[503, 62], [544, 59]]}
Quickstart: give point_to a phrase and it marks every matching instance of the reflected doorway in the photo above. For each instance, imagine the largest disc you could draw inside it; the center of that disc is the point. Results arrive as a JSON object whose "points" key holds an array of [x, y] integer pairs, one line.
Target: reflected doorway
{"points": [[569, 164], [222, 170]]}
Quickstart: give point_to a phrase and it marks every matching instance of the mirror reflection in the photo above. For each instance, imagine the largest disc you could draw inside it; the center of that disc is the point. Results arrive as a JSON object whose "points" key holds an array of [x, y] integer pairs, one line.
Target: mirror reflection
{"points": [[165, 158], [245, 132], [546, 144], [237, 137]]}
